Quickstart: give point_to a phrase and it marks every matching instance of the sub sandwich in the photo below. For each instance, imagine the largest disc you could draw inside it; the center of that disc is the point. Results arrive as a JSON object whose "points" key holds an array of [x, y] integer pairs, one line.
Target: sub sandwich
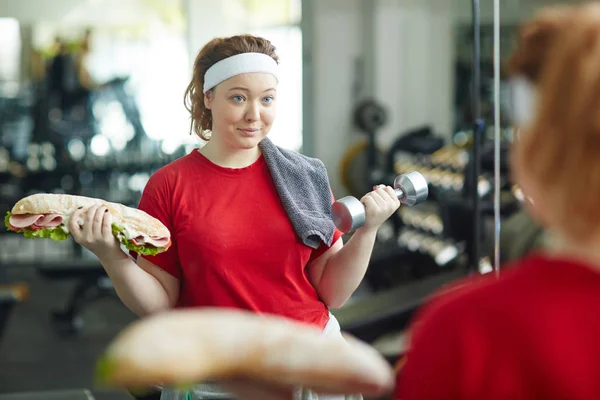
{"points": [[189, 346], [47, 216]]}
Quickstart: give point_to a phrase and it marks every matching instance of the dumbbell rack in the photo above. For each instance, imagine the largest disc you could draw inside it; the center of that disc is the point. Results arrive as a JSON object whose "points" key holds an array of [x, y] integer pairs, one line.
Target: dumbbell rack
{"points": [[444, 170], [422, 227], [422, 232], [440, 228]]}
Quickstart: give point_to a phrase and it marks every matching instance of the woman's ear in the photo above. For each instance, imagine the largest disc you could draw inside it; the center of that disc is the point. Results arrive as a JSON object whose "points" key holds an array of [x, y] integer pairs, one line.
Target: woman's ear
{"points": [[208, 98]]}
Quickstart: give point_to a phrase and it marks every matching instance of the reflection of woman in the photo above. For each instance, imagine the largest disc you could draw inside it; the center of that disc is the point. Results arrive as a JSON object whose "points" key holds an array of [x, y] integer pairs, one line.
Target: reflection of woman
{"points": [[250, 222], [68, 77], [533, 333]]}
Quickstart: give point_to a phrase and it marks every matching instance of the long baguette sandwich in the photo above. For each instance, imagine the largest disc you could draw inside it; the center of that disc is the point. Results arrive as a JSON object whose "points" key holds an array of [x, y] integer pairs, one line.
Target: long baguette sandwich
{"points": [[184, 347], [47, 216]]}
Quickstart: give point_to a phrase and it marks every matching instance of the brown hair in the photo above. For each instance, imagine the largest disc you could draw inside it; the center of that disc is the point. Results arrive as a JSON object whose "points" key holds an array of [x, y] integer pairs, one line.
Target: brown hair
{"points": [[214, 51], [534, 39], [560, 150]]}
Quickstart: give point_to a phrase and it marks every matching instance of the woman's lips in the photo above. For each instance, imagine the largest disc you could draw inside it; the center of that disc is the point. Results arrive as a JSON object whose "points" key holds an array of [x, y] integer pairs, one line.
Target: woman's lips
{"points": [[249, 132]]}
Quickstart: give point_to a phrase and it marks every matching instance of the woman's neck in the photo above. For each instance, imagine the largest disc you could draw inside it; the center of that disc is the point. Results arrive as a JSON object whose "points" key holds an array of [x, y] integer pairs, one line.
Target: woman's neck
{"points": [[587, 252], [218, 153]]}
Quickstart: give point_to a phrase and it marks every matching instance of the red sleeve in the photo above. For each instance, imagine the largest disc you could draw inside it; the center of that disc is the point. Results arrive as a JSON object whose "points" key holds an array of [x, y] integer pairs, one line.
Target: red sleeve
{"points": [[323, 247], [155, 201], [431, 369]]}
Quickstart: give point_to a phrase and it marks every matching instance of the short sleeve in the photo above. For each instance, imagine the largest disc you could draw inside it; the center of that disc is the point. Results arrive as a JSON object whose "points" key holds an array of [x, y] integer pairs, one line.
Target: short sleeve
{"points": [[155, 201], [337, 234]]}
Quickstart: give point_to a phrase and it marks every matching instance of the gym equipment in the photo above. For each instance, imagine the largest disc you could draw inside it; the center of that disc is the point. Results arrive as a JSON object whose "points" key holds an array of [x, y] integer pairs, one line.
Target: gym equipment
{"points": [[370, 116], [355, 171], [443, 252], [445, 170], [390, 309], [77, 394], [424, 221], [349, 213], [153, 393], [10, 296], [93, 284]]}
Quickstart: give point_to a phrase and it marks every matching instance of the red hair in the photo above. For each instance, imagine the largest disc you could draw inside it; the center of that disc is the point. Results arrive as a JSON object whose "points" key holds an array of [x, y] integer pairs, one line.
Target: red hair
{"points": [[560, 151]]}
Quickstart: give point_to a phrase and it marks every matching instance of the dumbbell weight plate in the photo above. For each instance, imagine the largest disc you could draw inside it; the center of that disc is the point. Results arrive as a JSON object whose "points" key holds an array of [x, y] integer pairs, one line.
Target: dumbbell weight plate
{"points": [[485, 266], [432, 223], [446, 180], [370, 116], [443, 252], [405, 237], [415, 242], [426, 244], [402, 167], [438, 227], [483, 186], [385, 232], [435, 176], [417, 220], [407, 217], [348, 213], [439, 155], [411, 188], [458, 181]]}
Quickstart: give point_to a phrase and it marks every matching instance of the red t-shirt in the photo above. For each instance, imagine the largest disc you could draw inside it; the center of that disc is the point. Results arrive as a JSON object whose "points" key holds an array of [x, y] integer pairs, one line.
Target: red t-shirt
{"points": [[532, 334], [233, 244]]}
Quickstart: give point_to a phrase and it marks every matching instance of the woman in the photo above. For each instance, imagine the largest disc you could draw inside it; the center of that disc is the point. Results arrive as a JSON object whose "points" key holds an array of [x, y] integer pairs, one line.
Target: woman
{"points": [[234, 218], [532, 333]]}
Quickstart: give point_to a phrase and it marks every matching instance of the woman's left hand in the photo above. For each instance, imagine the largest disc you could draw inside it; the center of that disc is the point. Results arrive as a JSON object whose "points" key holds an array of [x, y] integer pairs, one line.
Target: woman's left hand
{"points": [[379, 204]]}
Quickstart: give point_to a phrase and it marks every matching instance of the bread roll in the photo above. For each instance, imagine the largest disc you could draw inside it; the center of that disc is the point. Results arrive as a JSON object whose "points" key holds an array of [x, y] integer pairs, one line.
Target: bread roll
{"points": [[209, 344], [38, 214]]}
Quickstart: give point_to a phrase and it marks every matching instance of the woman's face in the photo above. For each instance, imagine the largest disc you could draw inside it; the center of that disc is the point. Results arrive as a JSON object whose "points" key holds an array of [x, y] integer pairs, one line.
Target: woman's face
{"points": [[523, 101], [243, 109], [534, 199]]}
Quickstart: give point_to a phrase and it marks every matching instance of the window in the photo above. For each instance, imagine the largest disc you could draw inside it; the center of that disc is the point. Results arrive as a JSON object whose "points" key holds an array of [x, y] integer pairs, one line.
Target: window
{"points": [[10, 50]]}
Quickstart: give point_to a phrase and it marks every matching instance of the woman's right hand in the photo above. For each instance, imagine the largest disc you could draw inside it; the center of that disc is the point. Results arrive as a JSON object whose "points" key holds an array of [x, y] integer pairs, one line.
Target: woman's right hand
{"points": [[92, 228]]}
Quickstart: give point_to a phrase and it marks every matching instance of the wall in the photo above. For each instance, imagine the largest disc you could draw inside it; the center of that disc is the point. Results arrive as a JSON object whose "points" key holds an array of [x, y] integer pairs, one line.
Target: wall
{"points": [[414, 66], [332, 48], [408, 62], [79, 12], [207, 19], [405, 51], [511, 11]]}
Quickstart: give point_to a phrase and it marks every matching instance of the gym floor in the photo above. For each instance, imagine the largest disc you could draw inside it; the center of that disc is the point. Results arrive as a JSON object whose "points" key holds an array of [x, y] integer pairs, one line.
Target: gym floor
{"points": [[33, 357]]}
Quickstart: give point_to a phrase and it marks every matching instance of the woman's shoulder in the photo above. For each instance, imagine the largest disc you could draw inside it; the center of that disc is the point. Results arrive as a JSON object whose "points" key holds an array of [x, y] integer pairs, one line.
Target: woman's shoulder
{"points": [[169, 174], [473, 296]]}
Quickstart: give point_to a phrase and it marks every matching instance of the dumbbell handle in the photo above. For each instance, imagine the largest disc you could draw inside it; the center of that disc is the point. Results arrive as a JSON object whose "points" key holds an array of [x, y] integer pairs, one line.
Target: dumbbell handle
{"points": [[349, 213], [399, 193]]}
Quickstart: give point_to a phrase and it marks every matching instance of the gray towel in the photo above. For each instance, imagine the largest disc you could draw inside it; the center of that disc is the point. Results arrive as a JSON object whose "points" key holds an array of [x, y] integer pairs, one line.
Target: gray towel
{"points": [[303, 186]]}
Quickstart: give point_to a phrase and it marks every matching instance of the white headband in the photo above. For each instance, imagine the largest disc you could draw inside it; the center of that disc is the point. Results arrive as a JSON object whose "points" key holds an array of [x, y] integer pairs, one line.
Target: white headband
{"points": [[523, 100], [239, 64]]}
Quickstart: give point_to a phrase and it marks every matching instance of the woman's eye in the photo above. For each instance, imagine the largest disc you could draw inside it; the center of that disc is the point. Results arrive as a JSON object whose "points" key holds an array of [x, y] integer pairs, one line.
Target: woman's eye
{"points": [[238, 99], [268, 99]]}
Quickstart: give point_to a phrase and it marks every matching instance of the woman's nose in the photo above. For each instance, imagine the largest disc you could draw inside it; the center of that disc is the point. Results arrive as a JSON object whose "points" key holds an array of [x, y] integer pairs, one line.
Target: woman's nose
{"points": [[253, 112]]}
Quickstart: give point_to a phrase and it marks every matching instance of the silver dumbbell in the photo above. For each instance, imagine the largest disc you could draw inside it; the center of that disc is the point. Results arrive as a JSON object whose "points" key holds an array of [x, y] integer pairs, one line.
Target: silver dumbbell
{"points": [[349, 213]]}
